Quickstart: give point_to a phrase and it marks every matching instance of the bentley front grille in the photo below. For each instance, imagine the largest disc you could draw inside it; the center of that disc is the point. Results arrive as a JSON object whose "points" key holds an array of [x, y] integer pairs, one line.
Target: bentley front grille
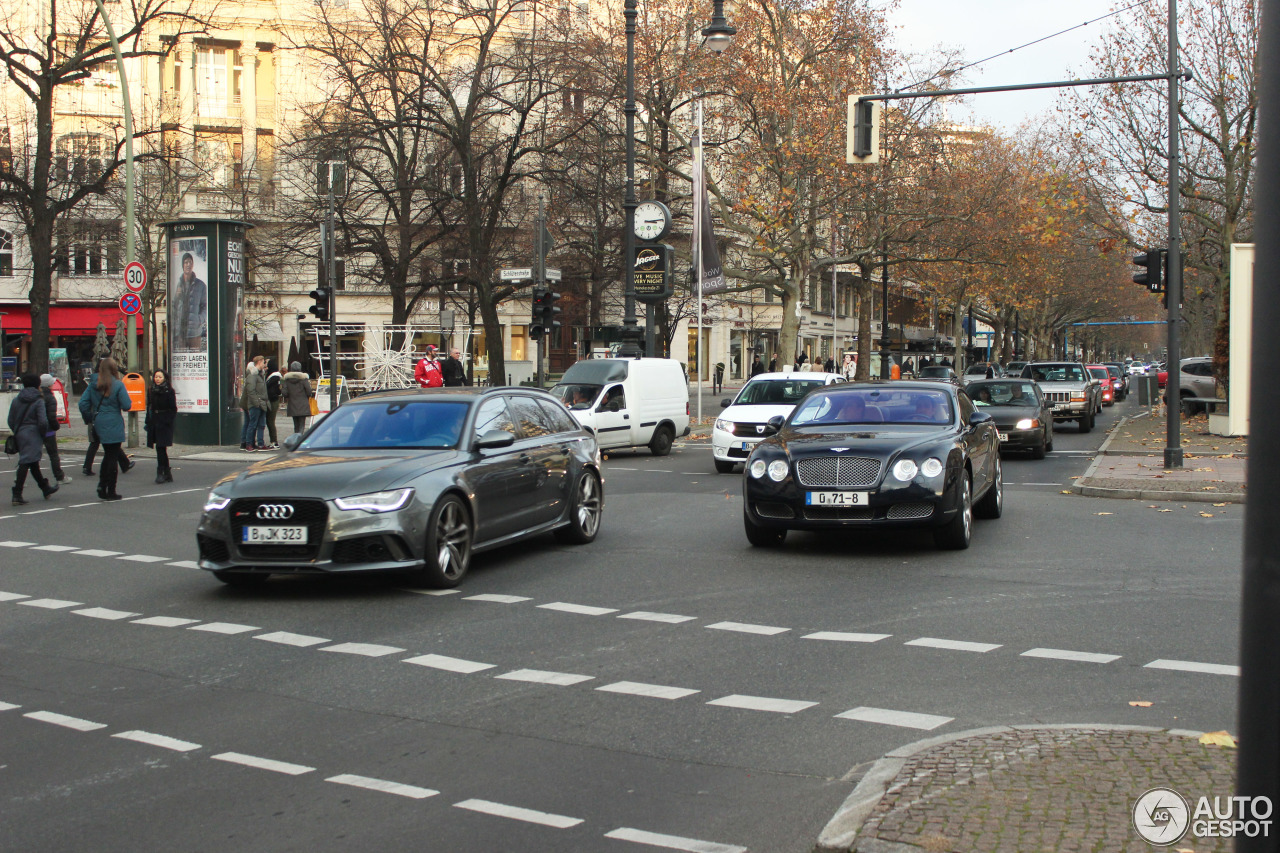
{"points": [[838, 471]]}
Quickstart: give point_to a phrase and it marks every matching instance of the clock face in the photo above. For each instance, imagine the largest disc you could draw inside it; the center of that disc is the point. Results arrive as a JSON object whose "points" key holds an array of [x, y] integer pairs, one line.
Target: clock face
{"points": [[652, 220]]}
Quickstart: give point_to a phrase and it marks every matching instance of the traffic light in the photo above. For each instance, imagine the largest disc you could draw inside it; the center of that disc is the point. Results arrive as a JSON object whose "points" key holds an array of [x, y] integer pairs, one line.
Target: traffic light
{"points": [[862, 131], [321, 295], [1152, 262], [535, 322], [550, 311]]}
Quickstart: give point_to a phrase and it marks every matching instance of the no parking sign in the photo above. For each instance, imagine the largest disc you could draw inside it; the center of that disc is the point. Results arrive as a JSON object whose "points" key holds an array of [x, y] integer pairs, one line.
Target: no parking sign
{"points": [[130, 303]]}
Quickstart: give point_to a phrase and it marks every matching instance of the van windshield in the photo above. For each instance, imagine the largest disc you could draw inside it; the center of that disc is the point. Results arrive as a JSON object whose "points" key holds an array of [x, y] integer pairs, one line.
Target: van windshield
{"points": [[577, 395]]}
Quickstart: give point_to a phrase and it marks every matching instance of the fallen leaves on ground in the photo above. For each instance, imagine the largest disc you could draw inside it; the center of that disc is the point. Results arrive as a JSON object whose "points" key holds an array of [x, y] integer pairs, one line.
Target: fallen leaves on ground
{"points": [[1206, 515], [1141, 703], [1066, 491], [1104, 513], [1218, 739], [1228, 503]]}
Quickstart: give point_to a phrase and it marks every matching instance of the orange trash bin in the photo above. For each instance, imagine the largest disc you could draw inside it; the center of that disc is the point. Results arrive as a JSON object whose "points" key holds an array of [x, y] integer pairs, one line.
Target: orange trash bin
{"points": [[137, 388]]}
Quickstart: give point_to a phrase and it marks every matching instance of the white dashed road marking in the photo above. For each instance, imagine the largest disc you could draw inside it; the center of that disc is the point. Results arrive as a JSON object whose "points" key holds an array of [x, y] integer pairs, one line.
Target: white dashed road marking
{"points": [[6, 706], [159, 740], [516, 813], [497, 599], [449, 664], [65, 721], [657, 691], [184, 564], [14, 543], [103, 613], [144, 558], [285, 638], [646, 616], [585, 610], [369, 650], [262, 763], [51, 603], [542, 676], [843, 637], [1064, 654], [12, 596], [953, 645], [56, 548], [97, 552], [745, 628], [671, 842], [164, 621], [1189, 666], [382, 785], [224, 628], [762, 703], [904, 719]]}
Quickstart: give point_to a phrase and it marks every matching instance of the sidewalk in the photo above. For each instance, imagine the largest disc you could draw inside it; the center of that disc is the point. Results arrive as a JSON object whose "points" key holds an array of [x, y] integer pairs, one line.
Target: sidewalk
{"points": [[1013, 790], [1130, 464]]}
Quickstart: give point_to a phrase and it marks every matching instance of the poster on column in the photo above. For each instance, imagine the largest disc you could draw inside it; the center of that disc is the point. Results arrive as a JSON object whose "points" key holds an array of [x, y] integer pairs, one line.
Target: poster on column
{"points": [[233, 308], [189, 322]]}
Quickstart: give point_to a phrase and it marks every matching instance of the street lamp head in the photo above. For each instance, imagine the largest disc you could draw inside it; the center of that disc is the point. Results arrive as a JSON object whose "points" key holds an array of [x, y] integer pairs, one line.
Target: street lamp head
{"points": [[719, 35]]}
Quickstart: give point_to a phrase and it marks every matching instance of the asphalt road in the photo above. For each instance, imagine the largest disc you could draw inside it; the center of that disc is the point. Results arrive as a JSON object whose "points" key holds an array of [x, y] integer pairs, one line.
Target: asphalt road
{"points": [[667, 687]]}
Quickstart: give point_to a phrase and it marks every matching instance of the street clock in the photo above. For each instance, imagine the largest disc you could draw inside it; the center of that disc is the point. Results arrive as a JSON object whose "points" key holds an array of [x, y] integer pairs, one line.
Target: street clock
{"points": [[652, 220]]}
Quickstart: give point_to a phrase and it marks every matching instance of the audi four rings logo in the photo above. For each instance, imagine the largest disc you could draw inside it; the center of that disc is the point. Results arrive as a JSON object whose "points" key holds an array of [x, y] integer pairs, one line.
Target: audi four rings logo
{"points": [[277, 512]]}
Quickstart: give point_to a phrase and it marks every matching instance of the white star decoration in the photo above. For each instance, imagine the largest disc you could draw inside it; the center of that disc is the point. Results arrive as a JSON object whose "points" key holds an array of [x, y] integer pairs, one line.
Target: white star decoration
{"points": [[384, 367]]}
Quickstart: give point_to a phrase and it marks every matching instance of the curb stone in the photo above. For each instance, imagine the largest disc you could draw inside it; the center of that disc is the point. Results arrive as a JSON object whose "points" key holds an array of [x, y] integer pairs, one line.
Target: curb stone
{"points": [[842, 830]]}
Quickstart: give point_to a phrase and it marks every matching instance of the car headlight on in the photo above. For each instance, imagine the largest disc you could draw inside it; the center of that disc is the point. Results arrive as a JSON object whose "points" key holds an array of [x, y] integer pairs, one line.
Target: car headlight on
{"points": [[932, 467], [375, 501], [1077, 395], [1027, 423], [756, 469], [905, 470], [722, 424], [778, 470], [215, 502]]}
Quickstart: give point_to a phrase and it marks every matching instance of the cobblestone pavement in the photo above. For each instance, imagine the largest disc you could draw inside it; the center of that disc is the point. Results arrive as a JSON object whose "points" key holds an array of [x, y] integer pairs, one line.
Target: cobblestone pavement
{"points": [[1043, 789]]}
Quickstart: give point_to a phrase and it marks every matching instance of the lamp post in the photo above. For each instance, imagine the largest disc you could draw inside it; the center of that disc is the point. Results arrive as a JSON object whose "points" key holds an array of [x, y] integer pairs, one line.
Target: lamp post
{"points": [[718, 35]]}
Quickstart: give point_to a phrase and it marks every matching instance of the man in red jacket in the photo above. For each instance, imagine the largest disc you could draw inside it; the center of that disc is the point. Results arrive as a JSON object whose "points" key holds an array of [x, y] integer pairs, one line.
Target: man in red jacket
{"points": [[427, 373]]}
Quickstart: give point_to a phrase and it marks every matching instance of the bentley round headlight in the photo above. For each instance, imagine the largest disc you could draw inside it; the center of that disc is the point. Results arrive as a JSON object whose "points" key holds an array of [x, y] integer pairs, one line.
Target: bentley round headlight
{"points": [[905, 470], [932, 467], [722, 424], [778, 470], [757, 468], [1027, 423]]}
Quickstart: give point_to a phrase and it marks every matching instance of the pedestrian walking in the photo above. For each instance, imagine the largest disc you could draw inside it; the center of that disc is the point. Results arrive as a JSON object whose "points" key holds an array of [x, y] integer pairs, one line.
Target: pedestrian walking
{"points": [[273, 401], [124, 461], [757, 367], [102, 406], [829, 365], [253, 401], [162, 410], [29, 421], [427, 373], [296, 388], [51, 434], [455, 375]]}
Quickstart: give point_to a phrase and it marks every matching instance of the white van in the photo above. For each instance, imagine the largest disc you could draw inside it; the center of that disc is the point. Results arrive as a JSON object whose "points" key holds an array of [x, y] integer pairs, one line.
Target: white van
{"points": [[628, 402]]}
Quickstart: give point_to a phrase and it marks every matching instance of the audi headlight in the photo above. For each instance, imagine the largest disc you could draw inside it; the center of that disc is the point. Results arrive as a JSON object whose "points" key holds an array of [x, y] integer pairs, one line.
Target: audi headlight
{"points": [[905, 470], [722, 424], [1027, 423], [757, 468], [376, 501], [932, 467], [215, 502], [778, 470]]}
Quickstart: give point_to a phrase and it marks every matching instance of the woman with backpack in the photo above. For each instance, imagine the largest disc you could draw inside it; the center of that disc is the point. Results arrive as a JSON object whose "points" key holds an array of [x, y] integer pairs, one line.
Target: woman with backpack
{"points": [[28, 422], [103, 406]]}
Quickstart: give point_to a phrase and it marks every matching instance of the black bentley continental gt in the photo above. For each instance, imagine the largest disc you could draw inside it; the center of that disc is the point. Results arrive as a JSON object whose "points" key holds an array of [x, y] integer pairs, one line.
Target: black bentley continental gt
{"points": [[415, 480], [875, 455]]}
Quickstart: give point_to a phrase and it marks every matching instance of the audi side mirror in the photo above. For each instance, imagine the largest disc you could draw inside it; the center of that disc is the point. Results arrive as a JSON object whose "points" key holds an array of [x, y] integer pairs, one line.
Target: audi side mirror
{"points": [[292, 442], [495, 438], [978, 418]]}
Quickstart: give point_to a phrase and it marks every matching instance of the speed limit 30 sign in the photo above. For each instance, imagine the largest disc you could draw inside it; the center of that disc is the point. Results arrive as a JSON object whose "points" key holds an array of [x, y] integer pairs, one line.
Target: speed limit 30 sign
{"points": [[135, 276]]}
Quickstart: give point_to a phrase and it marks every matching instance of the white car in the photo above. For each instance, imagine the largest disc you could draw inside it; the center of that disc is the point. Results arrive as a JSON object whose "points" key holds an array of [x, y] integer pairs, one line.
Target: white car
{"points": [[1137, 368], [742, 425]]}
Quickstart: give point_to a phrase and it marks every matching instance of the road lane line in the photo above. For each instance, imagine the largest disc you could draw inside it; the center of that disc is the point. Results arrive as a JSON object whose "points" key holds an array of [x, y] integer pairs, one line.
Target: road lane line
{"points": [[584, 609], [42, 511], [288, 639], [844, 637], [262, 763], [542, 676], [14, 543], [8, 706], [164, 621], [91, 503], [1065, 654], [762, 703], [143, 558], [97, 552], [1189, 666], [497, 599], [647, 616], [412, 791], [516, 813], [184, 564], [903, 719], [369, 650], [56, 548], [449, 664], [12, 596], [184, 491], [103, 613], [671, 842], [159, 740], [224, 628], [953, 645], [51, 603], [746, 628], [656, 691], [65, 721]]}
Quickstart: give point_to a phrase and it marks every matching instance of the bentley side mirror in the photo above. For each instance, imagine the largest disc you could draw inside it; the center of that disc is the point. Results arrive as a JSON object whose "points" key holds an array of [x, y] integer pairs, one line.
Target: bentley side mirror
{"points": [[774, 424]]}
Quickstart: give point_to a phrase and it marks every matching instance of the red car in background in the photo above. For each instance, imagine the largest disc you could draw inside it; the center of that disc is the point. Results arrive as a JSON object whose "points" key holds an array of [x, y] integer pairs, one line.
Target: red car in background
{"points": [[1163, 376], [1100, 373]]}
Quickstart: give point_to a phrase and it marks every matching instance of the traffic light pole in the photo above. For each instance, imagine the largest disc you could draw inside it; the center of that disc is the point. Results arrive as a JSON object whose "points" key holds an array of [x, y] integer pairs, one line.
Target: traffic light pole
{"points": [[1173, 276], [540, 277], [331, 274]]}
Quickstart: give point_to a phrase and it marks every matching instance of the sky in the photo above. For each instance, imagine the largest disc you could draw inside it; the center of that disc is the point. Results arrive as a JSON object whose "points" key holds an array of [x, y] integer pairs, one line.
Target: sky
{"points": [[982, 28]]}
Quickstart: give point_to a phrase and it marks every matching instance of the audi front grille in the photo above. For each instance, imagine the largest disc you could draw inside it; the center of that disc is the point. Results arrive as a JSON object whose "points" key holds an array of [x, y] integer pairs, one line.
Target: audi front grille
{"points": [[309, 513], [838, 470]]}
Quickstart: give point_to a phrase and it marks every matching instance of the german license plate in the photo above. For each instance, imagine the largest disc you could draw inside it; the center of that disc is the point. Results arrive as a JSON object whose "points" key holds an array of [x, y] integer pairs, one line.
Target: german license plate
{"points": [[746, 445], [273, 535], [837, 498], [1004, 436]]}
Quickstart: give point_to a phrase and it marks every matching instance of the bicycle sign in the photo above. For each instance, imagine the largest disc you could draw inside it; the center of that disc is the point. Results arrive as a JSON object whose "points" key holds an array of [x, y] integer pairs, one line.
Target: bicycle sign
{"points": [[130, 303], [135, 277]]}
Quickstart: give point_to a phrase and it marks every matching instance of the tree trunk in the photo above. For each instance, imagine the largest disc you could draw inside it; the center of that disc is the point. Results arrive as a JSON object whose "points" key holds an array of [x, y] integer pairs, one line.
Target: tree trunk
{"points": [[865, 286], [41, 237], [789, 333], [493, 341]]}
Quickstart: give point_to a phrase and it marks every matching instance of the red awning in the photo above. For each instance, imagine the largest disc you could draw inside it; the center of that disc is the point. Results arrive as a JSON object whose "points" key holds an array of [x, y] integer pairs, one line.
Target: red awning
{"points": [[63, 319]]}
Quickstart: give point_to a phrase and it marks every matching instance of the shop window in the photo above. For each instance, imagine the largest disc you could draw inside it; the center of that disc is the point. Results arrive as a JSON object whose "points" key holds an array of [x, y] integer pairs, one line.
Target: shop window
{"points": [[89, 248], [6, 254]]}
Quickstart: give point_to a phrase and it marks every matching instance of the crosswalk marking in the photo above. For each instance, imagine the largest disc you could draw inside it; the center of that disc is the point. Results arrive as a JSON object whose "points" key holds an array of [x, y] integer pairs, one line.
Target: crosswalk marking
{"points": [[411, 791], [904, 719], [1064, 654], [516, 813], [65, 721], [542, 676], [745, 628], [449, 664], [656, 691], [671, 842], [762, 703]]}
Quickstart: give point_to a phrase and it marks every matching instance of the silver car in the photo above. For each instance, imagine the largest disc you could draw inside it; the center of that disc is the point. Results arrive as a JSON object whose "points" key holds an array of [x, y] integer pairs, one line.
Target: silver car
{"points": [[415, 480]]}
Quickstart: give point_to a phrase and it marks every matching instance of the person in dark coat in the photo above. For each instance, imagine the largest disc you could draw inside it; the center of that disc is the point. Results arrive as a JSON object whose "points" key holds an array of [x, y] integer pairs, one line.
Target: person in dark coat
{"points": [[273, 401], [104, 404], [454, 373], [51, 436], [773, 365], [28, 421], [829, 365], [162, 410], [757, 366], [296, 388]]}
